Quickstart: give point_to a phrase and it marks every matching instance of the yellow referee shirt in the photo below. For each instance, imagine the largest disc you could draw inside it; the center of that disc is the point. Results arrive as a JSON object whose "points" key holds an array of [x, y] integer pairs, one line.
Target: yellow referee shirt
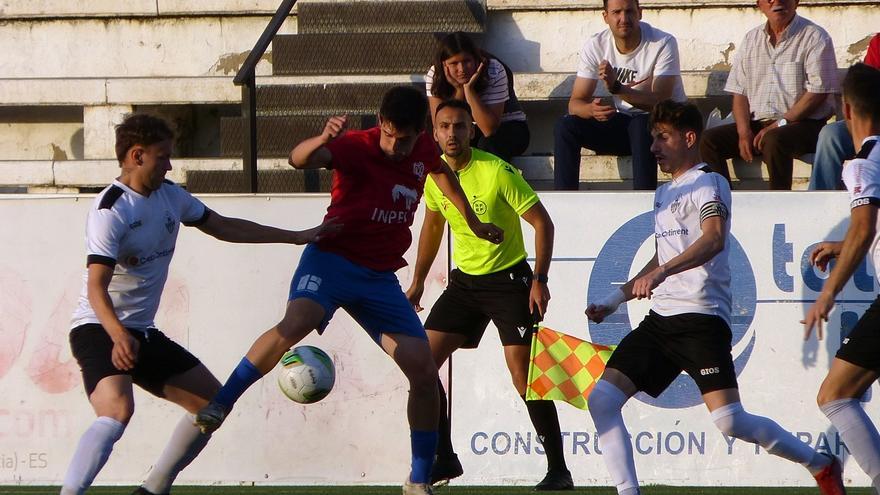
{"points": [[498, 194]]}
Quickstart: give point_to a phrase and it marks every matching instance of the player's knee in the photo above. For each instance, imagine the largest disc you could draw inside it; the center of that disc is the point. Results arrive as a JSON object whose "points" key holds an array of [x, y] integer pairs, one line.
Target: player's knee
{"points": [[520, 383], [421, 373], [728, 425], [121, 411], [604, 401], [734, 421], [828, 393], [292, 330]]}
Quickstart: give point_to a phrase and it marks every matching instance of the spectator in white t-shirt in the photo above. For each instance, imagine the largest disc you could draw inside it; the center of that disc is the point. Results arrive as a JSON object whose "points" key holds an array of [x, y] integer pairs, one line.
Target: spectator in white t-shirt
{"points": [[486, 84], [638, 65]]}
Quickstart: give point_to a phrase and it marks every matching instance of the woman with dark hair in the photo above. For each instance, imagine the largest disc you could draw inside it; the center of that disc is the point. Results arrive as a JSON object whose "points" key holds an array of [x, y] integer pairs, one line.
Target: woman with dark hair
{"points": [[463, 71]]}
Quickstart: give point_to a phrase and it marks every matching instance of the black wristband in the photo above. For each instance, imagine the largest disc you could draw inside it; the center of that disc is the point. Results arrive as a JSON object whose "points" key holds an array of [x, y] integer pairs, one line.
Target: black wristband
{"points": [[541, 278], [615, 88]]}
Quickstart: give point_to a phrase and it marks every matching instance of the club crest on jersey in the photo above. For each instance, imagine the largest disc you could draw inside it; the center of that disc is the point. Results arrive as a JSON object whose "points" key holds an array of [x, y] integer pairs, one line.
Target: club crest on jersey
{"points": [[419, 170], [169, 223], [675, 204]]}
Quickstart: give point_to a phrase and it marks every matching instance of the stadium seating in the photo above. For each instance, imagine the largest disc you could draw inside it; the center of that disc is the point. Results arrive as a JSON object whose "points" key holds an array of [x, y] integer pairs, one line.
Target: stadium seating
{"points": [[59, 113]]}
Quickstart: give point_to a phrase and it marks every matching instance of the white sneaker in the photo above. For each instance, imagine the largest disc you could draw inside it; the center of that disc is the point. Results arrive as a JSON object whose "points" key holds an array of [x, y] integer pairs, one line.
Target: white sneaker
{"points": [[410, 488]]}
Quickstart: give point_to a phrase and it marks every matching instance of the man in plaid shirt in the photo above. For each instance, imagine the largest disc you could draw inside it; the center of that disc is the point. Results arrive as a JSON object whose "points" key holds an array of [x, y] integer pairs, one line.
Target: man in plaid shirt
{"points": [[783, 77]]}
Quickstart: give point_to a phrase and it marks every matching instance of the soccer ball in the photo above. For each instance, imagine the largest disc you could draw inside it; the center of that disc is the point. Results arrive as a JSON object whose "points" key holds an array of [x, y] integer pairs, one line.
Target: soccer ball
{"points": [[307, 374]]}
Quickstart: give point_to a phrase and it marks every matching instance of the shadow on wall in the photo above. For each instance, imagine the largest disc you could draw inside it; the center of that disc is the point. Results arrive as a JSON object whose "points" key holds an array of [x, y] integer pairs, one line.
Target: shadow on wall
{"points": [[504, 39], [849, 308]]}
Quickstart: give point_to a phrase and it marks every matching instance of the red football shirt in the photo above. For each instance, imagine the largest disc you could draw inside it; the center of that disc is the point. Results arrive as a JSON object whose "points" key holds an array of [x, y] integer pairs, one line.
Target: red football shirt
{"points": [[375, 198]]}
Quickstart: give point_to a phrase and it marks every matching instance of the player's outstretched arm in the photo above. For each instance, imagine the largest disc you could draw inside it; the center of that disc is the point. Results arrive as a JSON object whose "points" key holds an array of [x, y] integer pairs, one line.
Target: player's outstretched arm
{"points": [[311, 153], [540, 220], [244, 231], [429, 244], [862, 228], [450, 188], [125, 347], [600, 310]]}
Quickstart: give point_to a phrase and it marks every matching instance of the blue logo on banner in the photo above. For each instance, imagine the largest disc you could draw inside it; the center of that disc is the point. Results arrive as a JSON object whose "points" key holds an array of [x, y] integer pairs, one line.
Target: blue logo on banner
{"points": [[613, 266]]}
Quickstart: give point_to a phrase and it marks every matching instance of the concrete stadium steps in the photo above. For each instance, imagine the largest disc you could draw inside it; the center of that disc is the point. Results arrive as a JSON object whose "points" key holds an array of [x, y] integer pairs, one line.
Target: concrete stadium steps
{"points": [[392, 16], [361, 53], [615, 172], [276, 136], [222, 174], [323, 99], [270, 181]]}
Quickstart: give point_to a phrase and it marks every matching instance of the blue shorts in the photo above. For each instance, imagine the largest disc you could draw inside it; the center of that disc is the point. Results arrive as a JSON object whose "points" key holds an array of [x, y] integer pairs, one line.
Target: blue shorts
{"points": [[374, 299]]}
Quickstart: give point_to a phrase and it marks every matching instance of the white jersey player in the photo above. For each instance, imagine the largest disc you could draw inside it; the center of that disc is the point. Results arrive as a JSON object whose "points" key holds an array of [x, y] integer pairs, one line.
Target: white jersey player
{"points": [[688, 326], [857, 363], [131, 234]]}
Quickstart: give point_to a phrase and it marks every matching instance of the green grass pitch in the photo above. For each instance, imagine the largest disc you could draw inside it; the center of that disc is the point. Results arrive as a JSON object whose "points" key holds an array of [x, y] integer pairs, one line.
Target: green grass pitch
{"points": [[449, 490]]}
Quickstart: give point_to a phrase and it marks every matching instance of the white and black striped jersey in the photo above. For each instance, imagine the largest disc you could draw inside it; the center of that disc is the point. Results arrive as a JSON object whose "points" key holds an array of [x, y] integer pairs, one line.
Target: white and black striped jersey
{"points": [[135, 235], [862, 178], [680, 206]]}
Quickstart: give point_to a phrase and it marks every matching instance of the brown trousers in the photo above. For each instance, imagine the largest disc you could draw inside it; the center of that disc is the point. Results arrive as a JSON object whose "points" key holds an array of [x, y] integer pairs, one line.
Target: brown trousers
{"points": [[781, 146]]}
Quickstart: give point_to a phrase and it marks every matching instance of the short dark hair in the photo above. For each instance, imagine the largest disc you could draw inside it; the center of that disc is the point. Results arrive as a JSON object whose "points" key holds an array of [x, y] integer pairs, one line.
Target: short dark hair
{"points": [[454, 103], [142, 129], [605, 5], [682, 116], [406, 107], [861, 89]]}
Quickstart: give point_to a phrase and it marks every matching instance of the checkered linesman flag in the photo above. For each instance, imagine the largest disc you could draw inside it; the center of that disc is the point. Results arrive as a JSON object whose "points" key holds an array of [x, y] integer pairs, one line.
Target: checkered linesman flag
{"points": [[564, 368]]}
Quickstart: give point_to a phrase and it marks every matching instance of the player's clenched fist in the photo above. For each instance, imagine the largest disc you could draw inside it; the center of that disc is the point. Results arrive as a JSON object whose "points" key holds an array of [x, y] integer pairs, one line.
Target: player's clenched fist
{"points": [[600, 310], [334, 127]]}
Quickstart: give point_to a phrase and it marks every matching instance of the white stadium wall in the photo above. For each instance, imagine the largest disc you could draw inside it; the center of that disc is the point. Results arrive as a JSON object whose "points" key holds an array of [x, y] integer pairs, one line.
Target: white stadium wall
{"points": [[220, 296]]}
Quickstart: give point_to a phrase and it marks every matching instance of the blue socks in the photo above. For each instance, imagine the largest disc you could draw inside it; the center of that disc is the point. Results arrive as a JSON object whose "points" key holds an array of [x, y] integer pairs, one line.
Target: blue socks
{"points": [[243, 376], [424, 445]]}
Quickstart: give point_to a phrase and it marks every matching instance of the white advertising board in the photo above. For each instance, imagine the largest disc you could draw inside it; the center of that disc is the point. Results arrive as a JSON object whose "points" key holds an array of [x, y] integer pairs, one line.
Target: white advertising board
{"points": [[220, 296]]}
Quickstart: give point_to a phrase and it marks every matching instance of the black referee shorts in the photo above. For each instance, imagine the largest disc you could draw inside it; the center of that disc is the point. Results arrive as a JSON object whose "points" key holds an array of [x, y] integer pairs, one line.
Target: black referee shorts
{"points": [[661, 347], [471, 301], [862, 346], [159, 358]]}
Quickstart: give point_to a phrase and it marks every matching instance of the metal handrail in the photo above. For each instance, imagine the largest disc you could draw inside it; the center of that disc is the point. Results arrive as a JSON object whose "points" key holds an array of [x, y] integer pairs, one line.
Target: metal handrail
{"points": [[249, 67], [247, 79]]}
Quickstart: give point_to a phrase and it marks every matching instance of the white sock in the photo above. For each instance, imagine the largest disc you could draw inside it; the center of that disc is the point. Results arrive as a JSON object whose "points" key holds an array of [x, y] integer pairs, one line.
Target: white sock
{"points": [[858, 433], [92, 452], [605, 403], [185, 444], [734, 421]]}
